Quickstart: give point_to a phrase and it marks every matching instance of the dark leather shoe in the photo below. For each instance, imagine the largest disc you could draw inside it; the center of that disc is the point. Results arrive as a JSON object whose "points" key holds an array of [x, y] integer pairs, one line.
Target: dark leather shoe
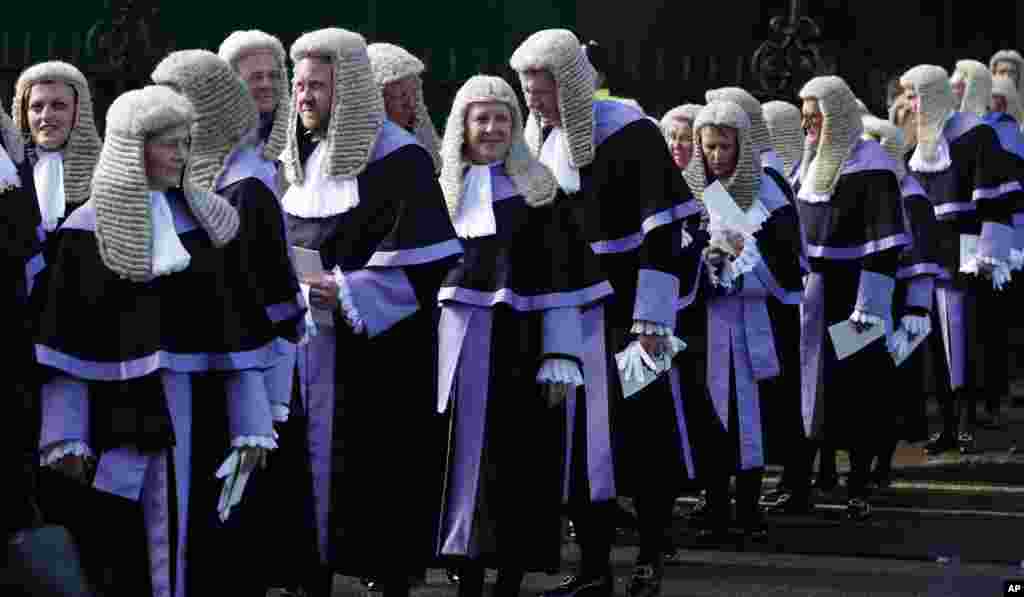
{"points": [[940, 443], [965, 441], [858, 510], [646, 580], [574, 586]]}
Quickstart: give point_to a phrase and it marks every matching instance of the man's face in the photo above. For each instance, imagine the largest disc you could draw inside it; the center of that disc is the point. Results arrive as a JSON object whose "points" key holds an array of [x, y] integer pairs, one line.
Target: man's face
{"points": [[400, 101], [314, 92], [488, 132], [541, 95], [812, 119], [680, 142], [904, 114], [959, 84], [721, 150], [51, 114], [1008, 69], [165, 156], [999, 103], [261, 73]]}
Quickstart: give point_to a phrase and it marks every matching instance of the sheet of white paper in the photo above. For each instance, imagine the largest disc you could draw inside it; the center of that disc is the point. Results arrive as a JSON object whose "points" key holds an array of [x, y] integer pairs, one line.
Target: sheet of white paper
{"points": [[848, 341], [308, 265], [913, 346], [969, 253], [722, 207]]}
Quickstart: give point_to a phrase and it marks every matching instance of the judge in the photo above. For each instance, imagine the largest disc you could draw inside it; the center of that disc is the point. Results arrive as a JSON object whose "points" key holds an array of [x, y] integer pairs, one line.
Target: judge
{"points": [[783, 121], [122, 382], [363, 194], [850, 205], [600, 151], [511, 337], [677, 126], [745, 271]]}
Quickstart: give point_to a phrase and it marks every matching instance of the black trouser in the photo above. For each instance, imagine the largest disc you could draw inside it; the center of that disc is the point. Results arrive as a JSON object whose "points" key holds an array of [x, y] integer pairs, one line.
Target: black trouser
{"points": [[471, 581], [748, 493], [654, 511]]}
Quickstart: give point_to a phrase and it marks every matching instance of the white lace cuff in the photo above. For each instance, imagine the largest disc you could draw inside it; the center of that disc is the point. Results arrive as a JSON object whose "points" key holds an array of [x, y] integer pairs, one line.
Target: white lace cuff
{"points": [[348, 307], [560, 371], [650, 328], [743, 264], [254, 441], [279, 412], [1016, 259], [55, 452], [863, 317]]}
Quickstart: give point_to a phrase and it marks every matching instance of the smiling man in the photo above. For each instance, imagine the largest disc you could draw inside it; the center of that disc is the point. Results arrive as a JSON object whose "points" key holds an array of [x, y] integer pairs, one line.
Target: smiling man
{"points": [[53, 112], [364, 194], [259, 59]]}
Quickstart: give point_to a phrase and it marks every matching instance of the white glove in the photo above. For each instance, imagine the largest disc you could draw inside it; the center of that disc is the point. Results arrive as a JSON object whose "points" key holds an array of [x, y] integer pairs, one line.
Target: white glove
{"points": [[235, 471], [308, 319], [633, 360], [864, 321], [560, 371], [916, 325]]}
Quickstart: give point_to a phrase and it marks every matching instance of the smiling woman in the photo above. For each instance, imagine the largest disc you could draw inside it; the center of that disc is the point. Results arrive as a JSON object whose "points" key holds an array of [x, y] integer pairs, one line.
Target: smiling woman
{"points": [[488, 131], [51, 111]]}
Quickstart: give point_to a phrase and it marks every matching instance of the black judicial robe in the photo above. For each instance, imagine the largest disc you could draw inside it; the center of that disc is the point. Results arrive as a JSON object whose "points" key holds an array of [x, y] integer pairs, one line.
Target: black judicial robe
{"points": [[631, 207], [503, 495], [386, 454]]}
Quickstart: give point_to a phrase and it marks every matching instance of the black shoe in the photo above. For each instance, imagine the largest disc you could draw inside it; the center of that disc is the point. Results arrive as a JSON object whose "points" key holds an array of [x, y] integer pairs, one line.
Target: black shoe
{"points": [[940, 443], [965, 441], [788, 503], [671, 557], [646, 580], [700, 510], [858, 509], [453, 575], [573, 586]]}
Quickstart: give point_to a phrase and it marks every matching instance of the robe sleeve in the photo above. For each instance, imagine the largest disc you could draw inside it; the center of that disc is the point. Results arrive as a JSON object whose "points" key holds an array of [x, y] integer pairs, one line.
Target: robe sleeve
{"points": [[878, 268], [249, 414], [405, 272], [997, 192], [65, 412]]}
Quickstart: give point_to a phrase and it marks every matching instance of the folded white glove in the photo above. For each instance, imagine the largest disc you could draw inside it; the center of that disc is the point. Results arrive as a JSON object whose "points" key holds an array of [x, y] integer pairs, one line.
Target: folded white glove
{"points": [[916, 325], [235, 471], [308, 319], [864, 318], [634, 359], [562, 371]]}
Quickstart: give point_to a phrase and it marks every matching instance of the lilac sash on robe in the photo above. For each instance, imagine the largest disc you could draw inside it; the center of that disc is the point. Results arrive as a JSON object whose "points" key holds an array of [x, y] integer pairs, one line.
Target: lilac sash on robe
{"points": [[316, 363]]}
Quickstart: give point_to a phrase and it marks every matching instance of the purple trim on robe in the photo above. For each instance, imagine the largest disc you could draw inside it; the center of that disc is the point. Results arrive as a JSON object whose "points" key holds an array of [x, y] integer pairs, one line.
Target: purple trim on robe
{"points": [[868, 248], [993, 192], [922, 269], [261, 358], [771, 196], [383, 297], [246, 161], [41, 233], [562, 331], [684, 435], [502, 186], [910, 187], [121, 472], [600, 468], [656, 294], [959, 124], [1008, 131], [472, 395], [417, 256], [945, 210], [950, 303], [316, 363], [451, 335], [570, 431], [178, 389], [764, 274], [632, 241], [874, 294], [65, 411], [812, 338], [672, 214], [920, 290], [287, 310], [279, 379], [32, 268], [996, 240], [868, 155], [685, 301], [1018, 219], [479, 298], [610, 117], [1018, 235], [248, 404], [747, 347], [156, 513], [390, 139]]}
